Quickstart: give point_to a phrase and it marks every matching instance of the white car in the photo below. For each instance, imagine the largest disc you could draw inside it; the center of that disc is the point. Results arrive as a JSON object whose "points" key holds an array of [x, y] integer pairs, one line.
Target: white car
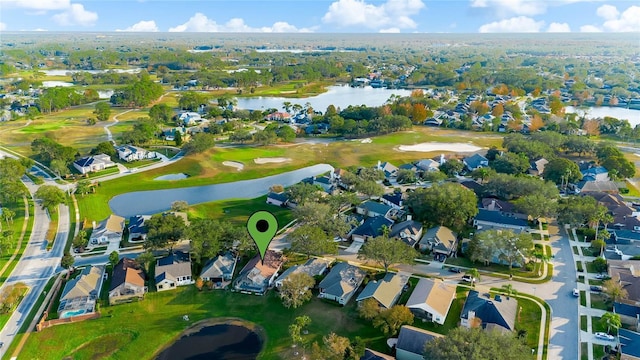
{"points": [[576, 292], [604, 336]]}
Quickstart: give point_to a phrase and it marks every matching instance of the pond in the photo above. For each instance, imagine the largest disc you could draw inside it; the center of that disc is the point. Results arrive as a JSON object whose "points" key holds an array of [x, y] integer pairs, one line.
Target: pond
{"points": [[339, 96], [633, 116], [220, 342], [156, 201], [172, 177]]}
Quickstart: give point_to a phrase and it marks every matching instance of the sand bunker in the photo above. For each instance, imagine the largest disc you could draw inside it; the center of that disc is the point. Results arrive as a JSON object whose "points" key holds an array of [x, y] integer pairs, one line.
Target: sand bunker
{"points": [[433, 146], [235, 164], [270, 160]]}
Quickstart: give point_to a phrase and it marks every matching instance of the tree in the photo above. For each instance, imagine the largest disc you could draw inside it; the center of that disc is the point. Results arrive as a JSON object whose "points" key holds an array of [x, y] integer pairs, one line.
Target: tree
{"points": [[161, 113], [510, 247], [8, 215], [579, 144], [536, 206], [179, 205], [295, 329], [102, 111], [406, 176], [511, 163], [59, 167], [591, 127], [433, 176], [296, 289], [265, 137], [145, 259], [369, 309], [286, 133], [5, 244], [610, 320], [311, 240], [336, 346], [83, 187], [51, 197], [476, 344], [600, 264], [67, 261], [449, 204], [199, 143], [474, 273], [301, 192], [369, 188], [578, 210], [614, 289], [105, 147], [164, 231], [562, 170], [509, 290], [452, 167], [80, 240], [390, 320], [178, 138], [114, 257], [387, 251]]}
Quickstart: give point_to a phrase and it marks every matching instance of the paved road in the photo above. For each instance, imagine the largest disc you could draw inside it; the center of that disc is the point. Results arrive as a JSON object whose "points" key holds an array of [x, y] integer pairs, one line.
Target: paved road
{"points": [[36, 266]]}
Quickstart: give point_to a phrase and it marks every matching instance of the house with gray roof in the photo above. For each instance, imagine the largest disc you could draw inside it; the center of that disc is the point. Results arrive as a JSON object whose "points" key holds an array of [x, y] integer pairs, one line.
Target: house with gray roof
{"points": [[277, 199], [108, 230], [137, 230], [408, 231], [93, 163], [374, 355], [475, 161], [173, 270], [439, 240], [389, 169], [259, 274], [219, 269], [372, 208], [131, 153], [482, 310], [341, 283], [385, 291], [79, 295], [629, 344], [313, 267], [427, 165], [487, 219], [370, 228], [393, 199], [411, 342], [431, 300], [627, 273]]}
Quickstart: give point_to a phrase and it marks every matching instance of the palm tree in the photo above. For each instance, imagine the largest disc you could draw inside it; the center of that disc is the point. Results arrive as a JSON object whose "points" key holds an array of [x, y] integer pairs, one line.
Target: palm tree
{"points": [[509, 290], [475, 275], [611, 320]]}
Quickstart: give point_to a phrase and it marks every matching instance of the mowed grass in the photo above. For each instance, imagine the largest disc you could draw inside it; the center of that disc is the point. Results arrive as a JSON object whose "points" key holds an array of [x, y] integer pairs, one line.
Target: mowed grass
{"points": [[151, 324], [208, 168], [238, 211]]}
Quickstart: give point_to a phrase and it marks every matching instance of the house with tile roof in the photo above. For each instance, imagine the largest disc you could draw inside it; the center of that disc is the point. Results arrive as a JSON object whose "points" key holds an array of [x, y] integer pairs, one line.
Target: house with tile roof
{"points": [[173, 270], [79, 294], [431, 300], [219, 269], [341, 283], [385, 291], [257, 276], [313, 267], [439, 240], [408, 231], [127, 282], [108, 230], [411, 342], [482, 310]]}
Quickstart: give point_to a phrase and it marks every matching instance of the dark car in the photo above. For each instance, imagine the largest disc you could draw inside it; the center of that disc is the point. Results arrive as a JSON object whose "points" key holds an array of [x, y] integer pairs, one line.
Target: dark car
{"points": [[455, 270], [596, 288]]}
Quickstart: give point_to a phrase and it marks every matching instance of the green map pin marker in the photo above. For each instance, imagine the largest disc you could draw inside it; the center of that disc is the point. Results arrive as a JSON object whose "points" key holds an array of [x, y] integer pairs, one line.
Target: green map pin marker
{"points": [[262, 226]]}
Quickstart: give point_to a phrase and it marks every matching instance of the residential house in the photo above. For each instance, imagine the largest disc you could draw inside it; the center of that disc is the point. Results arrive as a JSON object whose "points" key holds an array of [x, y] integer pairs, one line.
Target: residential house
{"points": [[219, 269], [137, 230], [629, 344], [627, 272], [537, 167], [131, 153], [313, 267], [487, 219], [189, 118], [499, 312], [427, 165], [258, 275], [629, 314], [408, 231], [370, 228], [108, 230], [393, 199], [374, 355], [277, 199], [279, 116], [439, 240], [127, 282], [325, 183], [474, 186], [390, 170], [431, 300], [93, 163], [412, 341], [475, 161], [408, 166], [589, 186], [341, 283], [595, 173], [504, 207], [173, 270], [372, 208], [385, 291], [79, 295]]}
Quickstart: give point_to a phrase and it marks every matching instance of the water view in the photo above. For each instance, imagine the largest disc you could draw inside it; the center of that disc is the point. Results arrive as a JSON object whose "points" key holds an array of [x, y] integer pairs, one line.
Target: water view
{"points": [[339, 96], [220, 342], [633, 116]]}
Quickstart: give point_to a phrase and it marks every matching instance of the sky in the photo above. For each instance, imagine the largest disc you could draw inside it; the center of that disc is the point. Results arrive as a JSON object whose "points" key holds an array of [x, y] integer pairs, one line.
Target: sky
{"points": [[322, 16]]}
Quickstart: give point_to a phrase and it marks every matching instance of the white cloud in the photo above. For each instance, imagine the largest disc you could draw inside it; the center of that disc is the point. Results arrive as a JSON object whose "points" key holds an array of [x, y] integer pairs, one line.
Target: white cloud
{"points": [[589, 28], [628, 21], [40, 29], [3, 26], [142, 26], [76, 15], [393, 30], [518, 7], [517, 24], [201, 23], [608, 12], [395, 13], [558, 27], [37, 4]]}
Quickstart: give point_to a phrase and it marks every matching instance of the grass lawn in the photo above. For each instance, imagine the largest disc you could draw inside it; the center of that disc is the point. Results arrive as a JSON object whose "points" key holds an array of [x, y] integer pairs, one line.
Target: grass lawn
{"points": [[528, 320], [238, 211], [500, 269], [584, 351], [583, 298], [16, 227], [583, 322], [597, 325], [598, 351], [151, 324], [453, 317], [53, 229], [599, 301], [591, 268], [579, 266]]}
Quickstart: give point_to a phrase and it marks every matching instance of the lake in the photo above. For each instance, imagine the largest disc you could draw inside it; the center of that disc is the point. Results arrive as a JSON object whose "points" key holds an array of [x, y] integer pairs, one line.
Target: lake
{"points": [[156, 201], [65, 72], [339, 96], [220, 342], [633, 116]]}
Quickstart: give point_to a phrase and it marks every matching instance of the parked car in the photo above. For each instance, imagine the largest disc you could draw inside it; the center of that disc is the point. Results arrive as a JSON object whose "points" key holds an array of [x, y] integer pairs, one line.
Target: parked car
{"points": [[596, 288], [604, 336], [468, 278], [455, 269], [576, 293]]}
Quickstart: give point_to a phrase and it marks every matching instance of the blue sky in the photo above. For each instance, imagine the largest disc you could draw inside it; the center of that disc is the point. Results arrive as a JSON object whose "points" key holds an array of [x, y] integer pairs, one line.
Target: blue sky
{"points": [[321, 16]]}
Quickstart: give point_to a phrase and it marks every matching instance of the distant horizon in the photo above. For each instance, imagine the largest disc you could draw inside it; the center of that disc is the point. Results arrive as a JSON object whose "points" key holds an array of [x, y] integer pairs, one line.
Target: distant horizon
{"points": [[332, 16]]}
